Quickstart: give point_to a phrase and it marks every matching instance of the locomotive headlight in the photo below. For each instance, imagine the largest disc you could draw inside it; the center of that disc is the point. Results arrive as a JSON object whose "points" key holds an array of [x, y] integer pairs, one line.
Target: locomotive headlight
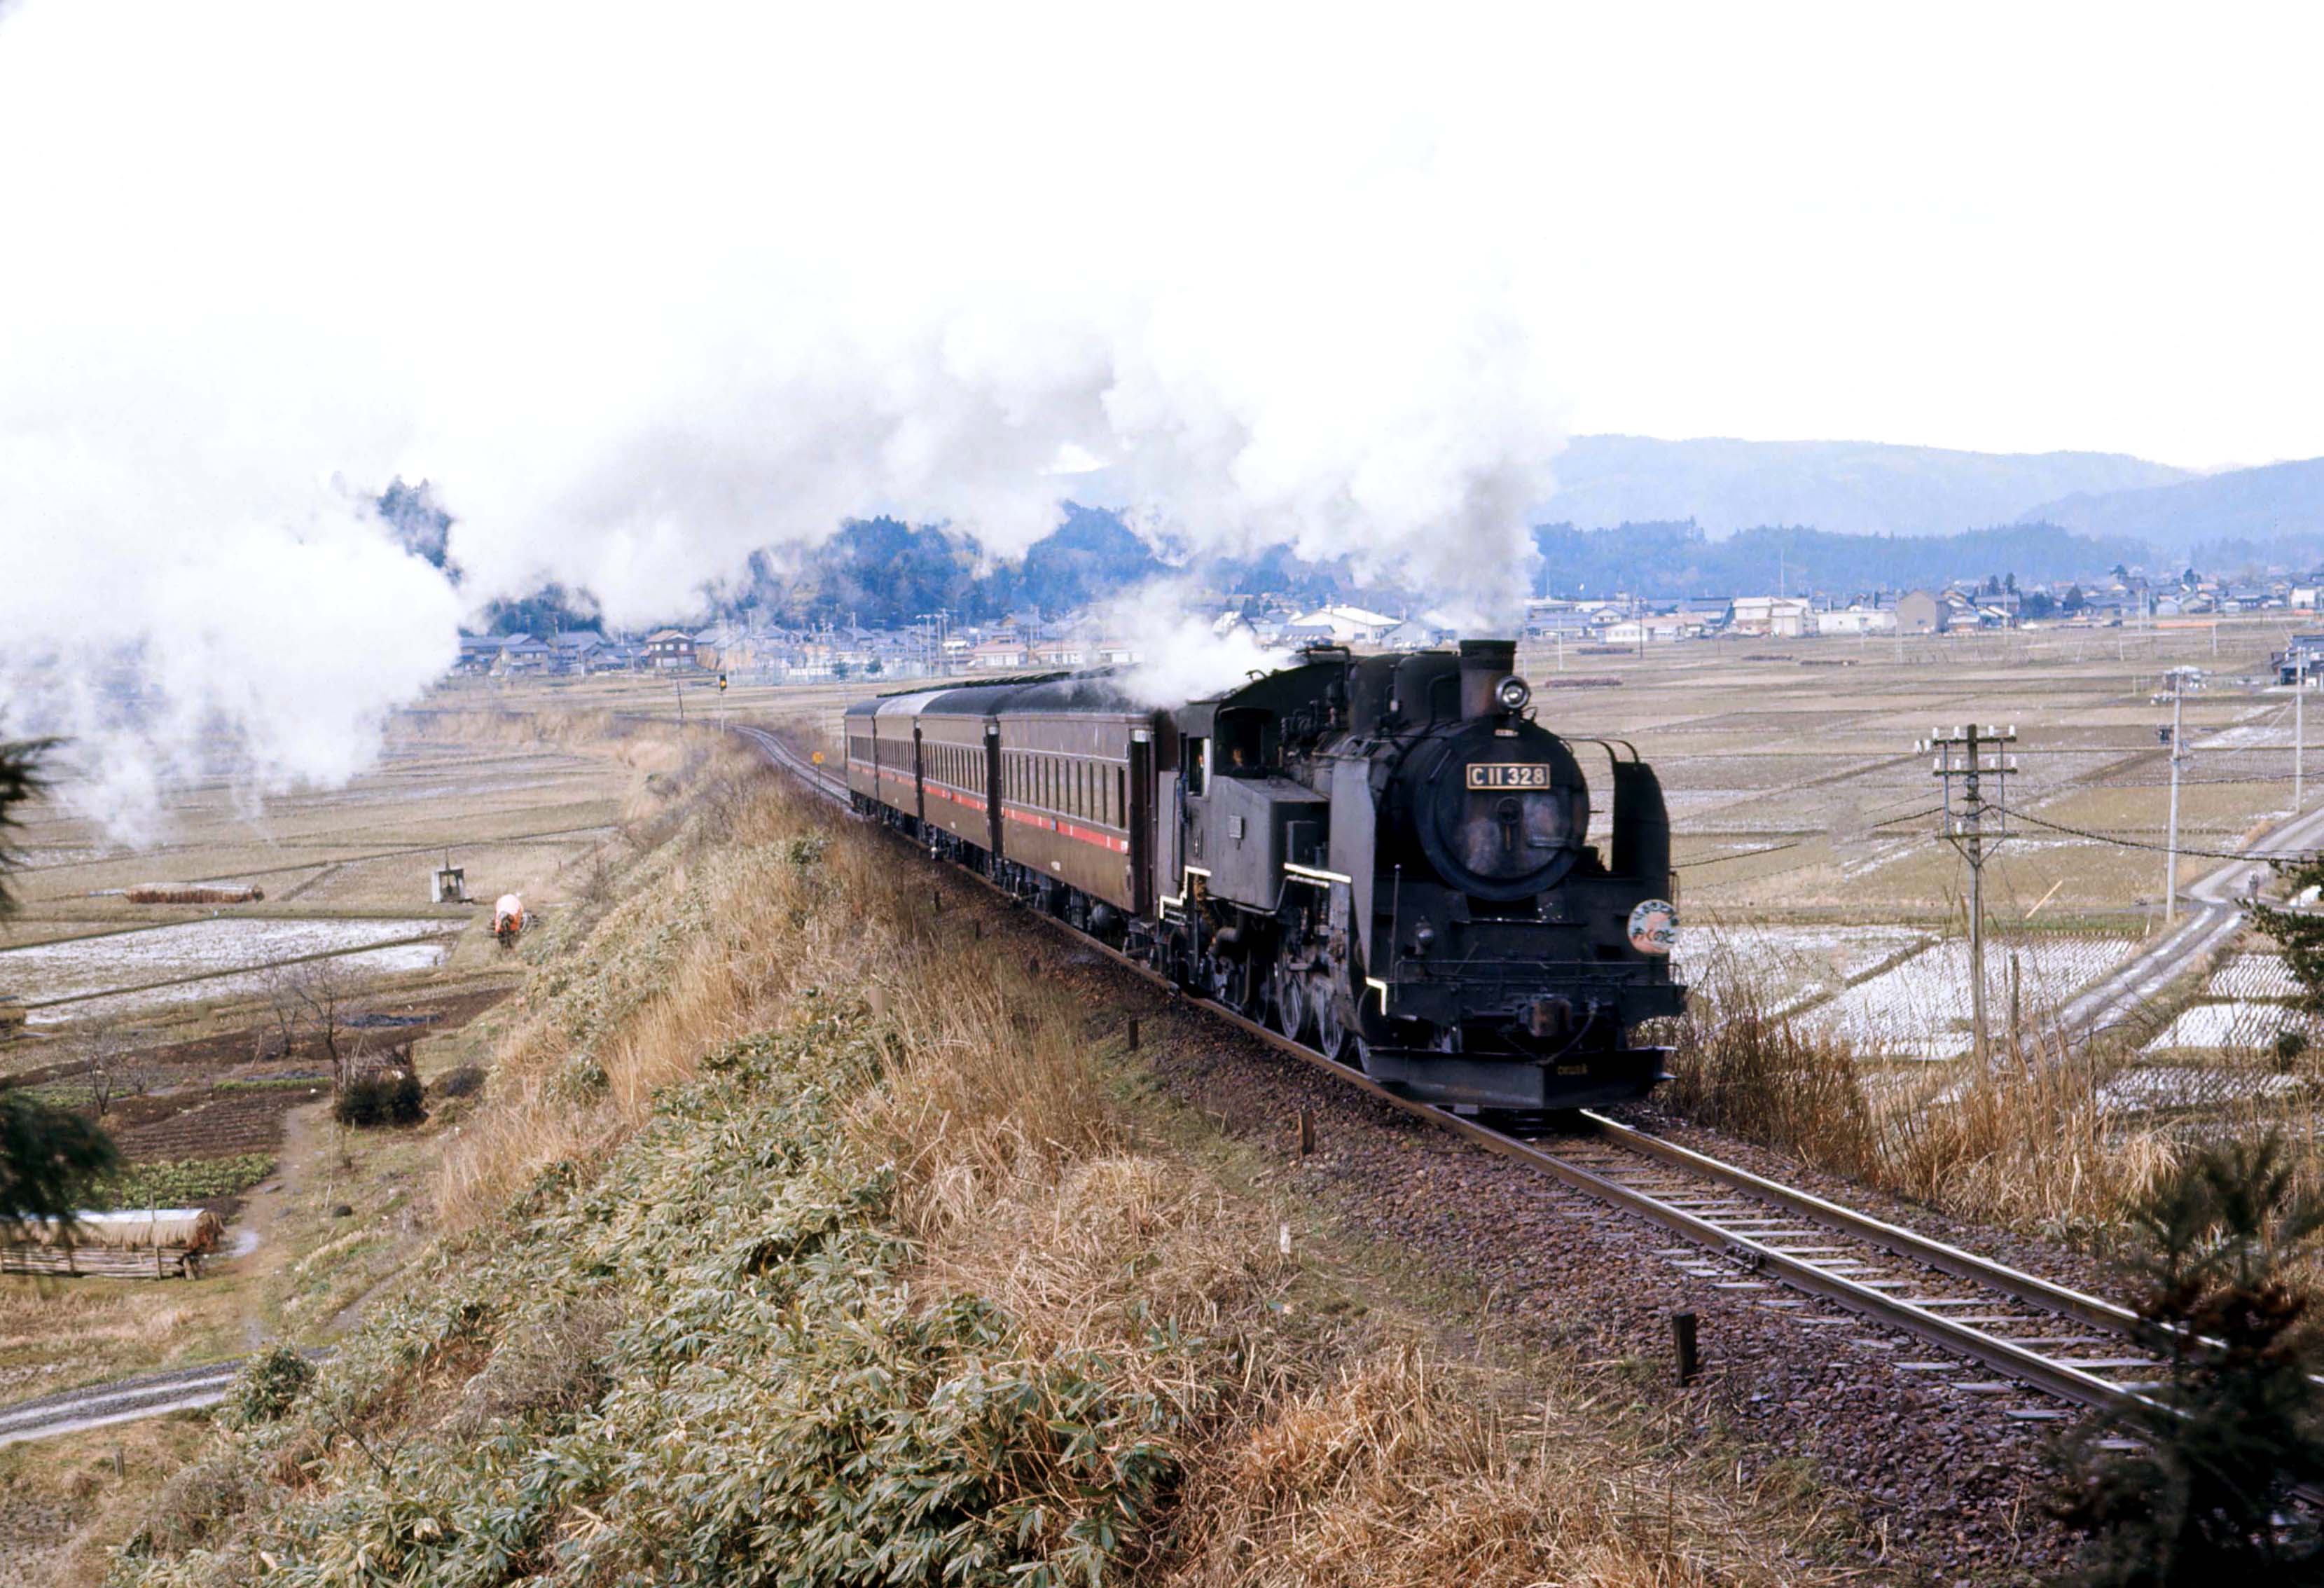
{"points": [[1513, 692]]}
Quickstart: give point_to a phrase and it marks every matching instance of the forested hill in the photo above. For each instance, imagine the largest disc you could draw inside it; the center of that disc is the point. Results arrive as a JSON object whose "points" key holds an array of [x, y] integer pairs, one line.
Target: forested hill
{"points": [[1725, 484], [2280, 505], [880, 572], [1681, 559]]}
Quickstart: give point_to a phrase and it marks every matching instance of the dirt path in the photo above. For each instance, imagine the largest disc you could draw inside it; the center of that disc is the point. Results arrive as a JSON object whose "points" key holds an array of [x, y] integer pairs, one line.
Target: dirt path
{"points": [[258, 1254], [255, 1255], [2213, 917]]}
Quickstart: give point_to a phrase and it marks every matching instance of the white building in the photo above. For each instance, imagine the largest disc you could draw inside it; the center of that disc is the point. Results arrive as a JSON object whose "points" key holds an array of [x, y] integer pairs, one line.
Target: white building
{"points": [[1349, 626], [1857, 619], [1661, 628], [1782, 617]]}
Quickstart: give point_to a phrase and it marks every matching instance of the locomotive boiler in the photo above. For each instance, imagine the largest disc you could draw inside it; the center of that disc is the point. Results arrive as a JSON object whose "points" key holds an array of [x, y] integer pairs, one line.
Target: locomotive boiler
{"points": [[1387, 857]]}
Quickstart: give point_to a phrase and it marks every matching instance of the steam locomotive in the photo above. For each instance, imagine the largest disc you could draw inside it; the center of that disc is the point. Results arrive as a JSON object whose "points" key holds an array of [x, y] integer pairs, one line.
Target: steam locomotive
{"points": [[1384, 856]]}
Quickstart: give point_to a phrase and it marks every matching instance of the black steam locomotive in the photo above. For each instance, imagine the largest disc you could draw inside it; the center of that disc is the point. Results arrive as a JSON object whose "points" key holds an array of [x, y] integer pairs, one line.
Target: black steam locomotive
{"points": [[1385, 856]]}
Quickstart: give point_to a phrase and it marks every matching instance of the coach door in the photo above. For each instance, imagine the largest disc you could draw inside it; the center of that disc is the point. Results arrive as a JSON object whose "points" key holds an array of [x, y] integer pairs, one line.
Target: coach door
{"points": [[992, 790], [919, 783], [1141, 822]]}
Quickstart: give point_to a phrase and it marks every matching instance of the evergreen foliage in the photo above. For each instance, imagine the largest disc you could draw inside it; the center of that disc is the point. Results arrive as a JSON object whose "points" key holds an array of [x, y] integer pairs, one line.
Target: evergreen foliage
{"points": [[381, 1097], [21, 780], [2299, 934], [49, 1159], [2202, 1497], [267, 1386]]}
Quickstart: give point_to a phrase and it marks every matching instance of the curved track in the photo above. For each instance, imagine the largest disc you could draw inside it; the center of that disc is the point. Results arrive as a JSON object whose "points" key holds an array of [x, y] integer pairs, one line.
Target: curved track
{"points": [[1759, 1233]]}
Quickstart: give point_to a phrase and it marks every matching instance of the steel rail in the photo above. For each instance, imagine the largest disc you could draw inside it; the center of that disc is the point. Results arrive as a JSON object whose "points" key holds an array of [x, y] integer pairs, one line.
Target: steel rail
{"points": [[1895, 1239], [2053, 1376]]}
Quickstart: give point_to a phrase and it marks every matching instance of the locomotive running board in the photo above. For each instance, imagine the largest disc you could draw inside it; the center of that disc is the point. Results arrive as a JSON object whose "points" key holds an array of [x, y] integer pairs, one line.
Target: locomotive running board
{"points": [[1448, 1080]]}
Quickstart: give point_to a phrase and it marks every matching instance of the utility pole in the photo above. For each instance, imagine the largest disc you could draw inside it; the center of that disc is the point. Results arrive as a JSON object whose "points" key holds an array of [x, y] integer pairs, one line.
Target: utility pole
{"points": [[2298, 721], [2176, 683], [678, 686], [1973, 826]]}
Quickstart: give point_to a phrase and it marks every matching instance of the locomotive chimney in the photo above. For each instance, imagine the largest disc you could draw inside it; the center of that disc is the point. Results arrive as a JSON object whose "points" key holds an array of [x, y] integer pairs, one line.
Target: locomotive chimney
{"points": [[1484, 664]]}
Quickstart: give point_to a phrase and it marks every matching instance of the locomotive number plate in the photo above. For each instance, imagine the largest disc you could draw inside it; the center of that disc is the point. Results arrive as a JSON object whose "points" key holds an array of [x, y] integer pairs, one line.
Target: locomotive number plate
{"points": [[1510, 774]]}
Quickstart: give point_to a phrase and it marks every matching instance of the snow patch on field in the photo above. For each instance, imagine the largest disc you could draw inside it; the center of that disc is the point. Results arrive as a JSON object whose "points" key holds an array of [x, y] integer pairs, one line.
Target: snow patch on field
{"points": [[2223, 1025], [2253, 976], [1790, 963], [1921, 1008], [2248, 736], [62, 969], [244, 984], [2137, 1090]]}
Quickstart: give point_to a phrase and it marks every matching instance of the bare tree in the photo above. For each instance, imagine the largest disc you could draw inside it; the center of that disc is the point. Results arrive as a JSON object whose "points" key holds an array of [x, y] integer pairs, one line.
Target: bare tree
{"points": [[116, 1066], [284, 1009], [323, 990]]}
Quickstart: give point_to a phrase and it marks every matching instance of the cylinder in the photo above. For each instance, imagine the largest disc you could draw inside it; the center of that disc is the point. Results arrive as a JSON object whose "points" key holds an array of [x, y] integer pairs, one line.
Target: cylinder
{"points": [[1483, 664]]}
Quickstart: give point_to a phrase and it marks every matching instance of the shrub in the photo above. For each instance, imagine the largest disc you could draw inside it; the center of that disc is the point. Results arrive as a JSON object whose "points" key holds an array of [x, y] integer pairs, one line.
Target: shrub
{"points": [[2290, 1045], [383, 1097], [463, 1082], [267, 1385], [196, 1506]]}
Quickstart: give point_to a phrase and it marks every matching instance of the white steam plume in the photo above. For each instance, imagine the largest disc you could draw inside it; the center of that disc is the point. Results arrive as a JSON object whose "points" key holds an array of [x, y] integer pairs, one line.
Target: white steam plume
{"points": [[641, 297], [1181, 655]]}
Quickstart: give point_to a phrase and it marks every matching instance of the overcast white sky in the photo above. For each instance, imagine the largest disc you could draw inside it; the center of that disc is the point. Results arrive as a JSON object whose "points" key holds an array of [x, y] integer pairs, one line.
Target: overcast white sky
{"points": [[643, 287], [2011, 227]]}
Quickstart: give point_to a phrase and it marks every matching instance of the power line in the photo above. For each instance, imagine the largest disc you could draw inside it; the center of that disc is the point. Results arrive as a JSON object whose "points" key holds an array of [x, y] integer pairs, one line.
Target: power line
{"points": [[2129, 842], [1686, 865]]}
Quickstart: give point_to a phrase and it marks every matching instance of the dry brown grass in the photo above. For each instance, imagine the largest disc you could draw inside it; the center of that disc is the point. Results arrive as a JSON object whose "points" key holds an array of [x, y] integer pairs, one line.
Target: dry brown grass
{"points": [[1317, 1452], [35, 1312], [2025, 1142], [1401, 1473]]}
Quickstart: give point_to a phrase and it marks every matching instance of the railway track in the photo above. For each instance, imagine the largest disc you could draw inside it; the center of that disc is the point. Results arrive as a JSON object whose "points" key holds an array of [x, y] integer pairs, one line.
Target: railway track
{"points": [[1744, 1232]]}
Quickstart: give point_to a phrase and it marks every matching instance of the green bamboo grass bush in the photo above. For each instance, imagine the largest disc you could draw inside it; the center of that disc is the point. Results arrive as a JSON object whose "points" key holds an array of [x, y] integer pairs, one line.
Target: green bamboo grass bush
{"points": [[780, 1403]]}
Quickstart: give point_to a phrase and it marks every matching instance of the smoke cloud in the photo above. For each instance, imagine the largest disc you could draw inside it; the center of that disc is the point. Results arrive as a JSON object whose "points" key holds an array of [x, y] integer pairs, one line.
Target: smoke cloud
{"points": [[638, 300]]}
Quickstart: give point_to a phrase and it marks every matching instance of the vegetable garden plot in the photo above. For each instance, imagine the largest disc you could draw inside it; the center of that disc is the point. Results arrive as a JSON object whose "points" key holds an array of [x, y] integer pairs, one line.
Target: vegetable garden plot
{"points": [[1921, 1008]]}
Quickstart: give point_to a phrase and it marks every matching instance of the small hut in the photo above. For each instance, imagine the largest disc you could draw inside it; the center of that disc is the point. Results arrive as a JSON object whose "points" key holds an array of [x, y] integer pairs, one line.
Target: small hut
{"points": [[143, 1244]]}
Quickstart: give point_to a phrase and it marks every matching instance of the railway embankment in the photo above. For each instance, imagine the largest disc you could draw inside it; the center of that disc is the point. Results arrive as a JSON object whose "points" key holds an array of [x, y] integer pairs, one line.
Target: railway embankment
{"points": [[816, 1224]]}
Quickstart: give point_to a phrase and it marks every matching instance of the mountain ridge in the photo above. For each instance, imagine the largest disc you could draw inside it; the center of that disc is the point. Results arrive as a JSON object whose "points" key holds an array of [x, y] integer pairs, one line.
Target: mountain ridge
{"points": [[1727, 484]]}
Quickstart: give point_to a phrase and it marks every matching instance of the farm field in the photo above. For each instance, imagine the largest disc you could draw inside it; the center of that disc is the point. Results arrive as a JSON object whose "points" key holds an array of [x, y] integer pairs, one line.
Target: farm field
{"points": [[1796, 791], [1800, 805], [196, 953], [167, 1021]]}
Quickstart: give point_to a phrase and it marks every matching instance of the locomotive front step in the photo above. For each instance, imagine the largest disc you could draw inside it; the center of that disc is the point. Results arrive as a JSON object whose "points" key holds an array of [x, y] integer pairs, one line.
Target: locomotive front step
{"points": [[1522, 1085]]}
